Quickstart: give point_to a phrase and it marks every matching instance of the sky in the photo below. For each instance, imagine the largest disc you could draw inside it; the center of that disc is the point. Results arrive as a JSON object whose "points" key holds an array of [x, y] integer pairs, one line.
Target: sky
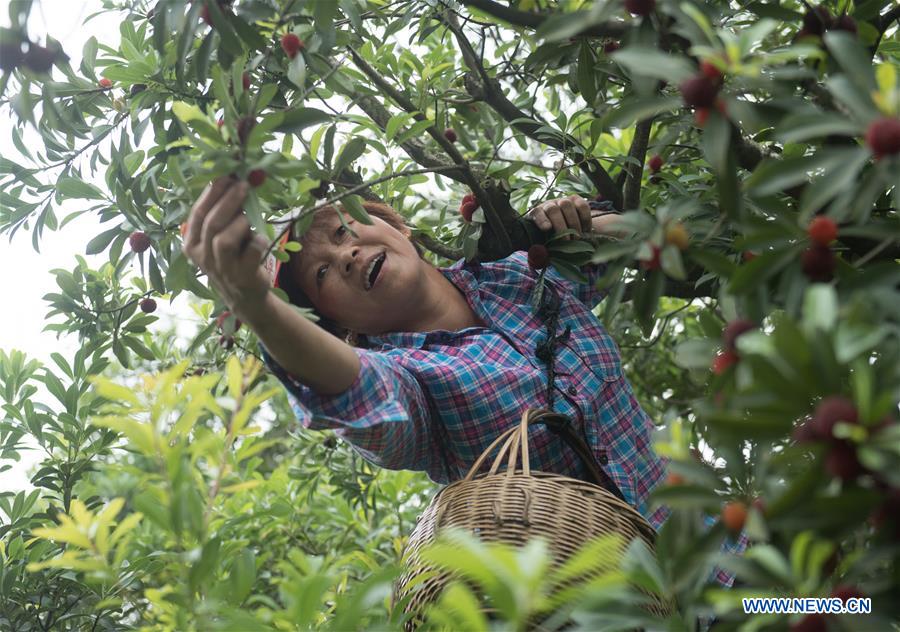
{"points": [[26, 275]]}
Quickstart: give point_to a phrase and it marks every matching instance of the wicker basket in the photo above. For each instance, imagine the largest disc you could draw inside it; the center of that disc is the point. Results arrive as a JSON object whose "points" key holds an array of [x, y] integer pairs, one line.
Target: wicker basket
{"points": [[515, 506]]}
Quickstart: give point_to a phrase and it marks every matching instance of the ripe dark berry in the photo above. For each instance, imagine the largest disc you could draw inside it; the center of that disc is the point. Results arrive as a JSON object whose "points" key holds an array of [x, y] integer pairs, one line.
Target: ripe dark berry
{"points": [[245, 81], [842, 461], [711, 71], [883, 136], [822, 230], [245, 125], [640, 7], [845, 592], [538, 256], [39, 59], [226, 341], [818, 263], [450, 134], [653, 263], [291, 44], [321, 191], [611, 47], [466, 209], [810, 623], [699, 91], [137, 89], [829, 412], [148, 305], [256, 177], [206, 15], [734, 329], [845, 23], [723, 361], [104, 83], [655, 163], [139, 241], [701, 115], [817, 20], [11, 55]]}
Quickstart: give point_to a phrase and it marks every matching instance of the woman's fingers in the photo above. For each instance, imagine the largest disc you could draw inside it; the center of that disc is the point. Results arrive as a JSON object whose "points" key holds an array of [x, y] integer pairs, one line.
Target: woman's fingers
{"points": [[228, 245], [584, 212], [571, 216], [221, 216], [201, 209]]}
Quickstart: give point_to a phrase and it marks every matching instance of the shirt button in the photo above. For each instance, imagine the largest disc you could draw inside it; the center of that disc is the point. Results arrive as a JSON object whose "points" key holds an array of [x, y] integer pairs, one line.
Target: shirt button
{"points": [[572, 390]]}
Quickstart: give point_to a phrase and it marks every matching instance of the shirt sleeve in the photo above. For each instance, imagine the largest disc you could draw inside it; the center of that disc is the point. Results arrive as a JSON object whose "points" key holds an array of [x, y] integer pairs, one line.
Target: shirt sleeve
{"points": [[384, 414]]}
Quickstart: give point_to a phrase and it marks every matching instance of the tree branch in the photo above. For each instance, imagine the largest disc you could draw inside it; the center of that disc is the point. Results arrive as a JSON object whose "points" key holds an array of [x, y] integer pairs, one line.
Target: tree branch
{"points": [[635, 170], [482, 87]]}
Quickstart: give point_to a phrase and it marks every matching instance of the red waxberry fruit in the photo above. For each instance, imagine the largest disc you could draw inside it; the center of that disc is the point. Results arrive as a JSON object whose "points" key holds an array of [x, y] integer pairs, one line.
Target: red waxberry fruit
{"points": [[450, 134], [220, 122], [245, 125], [226, 341], [810, 623], [723, 361], [734, 329], [223, 317], [822, 230], [748, 255], [653, 263], [818, 263], [466, 209], [699, 91], [538, 256], [205, 14], [805, 432], [655, 163], [139, 241], [39, 58], [845, 592], [845, 23], [817, 20], [711, 71], [291, 44], [640, 7], [829, 412], [256, 177], [842, 461], [469, 197], [611, 47], [11, 55], [883, 137], [148, 305], [701, 115], [245, 81], [734, 515], [104, 83], [674, 479]]}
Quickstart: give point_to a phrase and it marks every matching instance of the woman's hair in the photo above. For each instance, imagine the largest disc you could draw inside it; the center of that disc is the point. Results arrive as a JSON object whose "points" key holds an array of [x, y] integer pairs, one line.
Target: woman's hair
{"points": [[319, 221]]}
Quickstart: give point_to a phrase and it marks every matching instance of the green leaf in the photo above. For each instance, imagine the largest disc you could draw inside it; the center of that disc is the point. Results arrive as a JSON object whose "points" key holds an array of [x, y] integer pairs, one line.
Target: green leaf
{"points": [[67, 187], [101, 242], [350, 152], [803, 126], [296, 71], [651, 62], [353, 205], [854, 59], [297, 119], [632, 110]]}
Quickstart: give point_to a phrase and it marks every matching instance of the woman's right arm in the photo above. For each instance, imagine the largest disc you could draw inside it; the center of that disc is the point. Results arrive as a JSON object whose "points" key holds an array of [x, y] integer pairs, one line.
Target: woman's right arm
{"points": [[221, 242]]}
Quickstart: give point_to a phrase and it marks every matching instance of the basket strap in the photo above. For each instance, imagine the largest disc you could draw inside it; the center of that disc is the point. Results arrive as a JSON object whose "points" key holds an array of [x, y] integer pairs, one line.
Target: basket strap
{"points": [[484, 455]]}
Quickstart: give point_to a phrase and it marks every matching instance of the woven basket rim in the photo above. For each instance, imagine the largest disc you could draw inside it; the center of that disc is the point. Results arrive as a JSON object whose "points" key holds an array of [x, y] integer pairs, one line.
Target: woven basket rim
{"points": [[546, 478]]}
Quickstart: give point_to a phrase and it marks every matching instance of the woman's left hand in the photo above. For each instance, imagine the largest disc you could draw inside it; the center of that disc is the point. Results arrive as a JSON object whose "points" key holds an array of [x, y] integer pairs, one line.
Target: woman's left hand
{"points": [[562, 214]]}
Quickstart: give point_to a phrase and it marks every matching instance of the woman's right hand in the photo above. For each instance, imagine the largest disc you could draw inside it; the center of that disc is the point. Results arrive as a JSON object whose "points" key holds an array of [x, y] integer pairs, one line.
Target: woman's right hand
{"points": [[220, 241]]}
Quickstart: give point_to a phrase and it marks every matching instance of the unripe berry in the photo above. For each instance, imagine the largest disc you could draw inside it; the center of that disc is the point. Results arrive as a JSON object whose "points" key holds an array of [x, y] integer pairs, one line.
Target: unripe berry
{"points": [[822, 230], [139, 241], [677, 235], [538, 256], [291, 44], [734, 515], [104, 83], [883, 137], [148, 305], [256, 177]]}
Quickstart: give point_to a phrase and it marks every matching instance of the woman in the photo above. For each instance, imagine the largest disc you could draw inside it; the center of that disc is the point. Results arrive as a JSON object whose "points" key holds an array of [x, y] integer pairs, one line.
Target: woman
{"points": [[445, 358]]}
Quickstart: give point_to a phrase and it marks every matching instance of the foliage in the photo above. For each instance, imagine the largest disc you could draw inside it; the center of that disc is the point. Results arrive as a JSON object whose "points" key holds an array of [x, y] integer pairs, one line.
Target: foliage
{"points": [[173, 491]]}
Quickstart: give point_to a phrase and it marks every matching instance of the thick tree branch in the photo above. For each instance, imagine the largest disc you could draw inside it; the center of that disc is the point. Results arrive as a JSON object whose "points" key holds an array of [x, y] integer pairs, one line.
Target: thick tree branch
{"points": [[484, 88], [635, 167], [535, 20], [494, 220]]}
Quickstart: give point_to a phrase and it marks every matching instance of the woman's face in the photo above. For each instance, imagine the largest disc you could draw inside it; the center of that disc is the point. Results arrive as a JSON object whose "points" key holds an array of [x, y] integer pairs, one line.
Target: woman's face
{"points": [[335, 270]]}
